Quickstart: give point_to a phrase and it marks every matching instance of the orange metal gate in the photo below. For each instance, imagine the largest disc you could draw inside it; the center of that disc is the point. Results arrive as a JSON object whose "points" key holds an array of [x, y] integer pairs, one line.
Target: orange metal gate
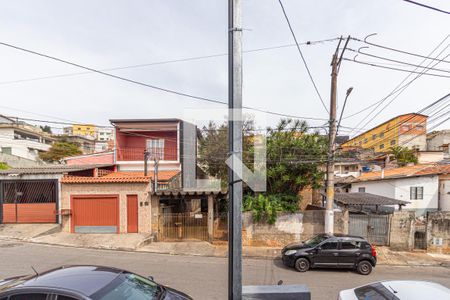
{"points": [[28, 201], [95, 214]]}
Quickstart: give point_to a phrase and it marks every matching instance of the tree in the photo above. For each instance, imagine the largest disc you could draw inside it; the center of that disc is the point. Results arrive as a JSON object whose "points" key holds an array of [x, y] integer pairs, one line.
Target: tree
{"points": [[213, 148], [46, 128], [3, 166], [294, 160], [403, 155], [59, 150]]}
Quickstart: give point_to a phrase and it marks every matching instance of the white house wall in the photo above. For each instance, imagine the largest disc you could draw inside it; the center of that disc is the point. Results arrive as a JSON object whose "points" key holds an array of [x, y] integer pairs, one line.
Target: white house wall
{"points": [[400, 189], [444, 193]]}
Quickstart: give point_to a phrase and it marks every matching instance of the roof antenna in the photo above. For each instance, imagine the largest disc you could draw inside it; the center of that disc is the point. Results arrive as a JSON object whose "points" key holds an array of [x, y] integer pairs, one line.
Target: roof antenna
{"points": [[37, 274]]}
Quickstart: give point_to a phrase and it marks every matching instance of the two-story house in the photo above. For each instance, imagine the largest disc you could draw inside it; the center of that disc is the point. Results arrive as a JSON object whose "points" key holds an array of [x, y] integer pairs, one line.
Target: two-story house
{"points": [[171, 144]]}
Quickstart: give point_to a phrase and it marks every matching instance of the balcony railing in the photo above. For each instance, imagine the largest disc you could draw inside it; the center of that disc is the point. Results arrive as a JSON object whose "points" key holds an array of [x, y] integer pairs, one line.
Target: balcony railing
{"points": [[137, 154]]}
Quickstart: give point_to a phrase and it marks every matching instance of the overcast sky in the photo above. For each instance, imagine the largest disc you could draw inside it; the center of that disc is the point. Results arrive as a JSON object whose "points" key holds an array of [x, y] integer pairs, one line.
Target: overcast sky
{"points": [[108, 34]]}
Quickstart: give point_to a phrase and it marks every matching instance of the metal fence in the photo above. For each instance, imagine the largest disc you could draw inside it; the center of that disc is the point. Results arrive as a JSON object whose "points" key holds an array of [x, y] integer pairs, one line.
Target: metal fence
{"points": [[28, 201], [183, 226], [375, 228]]}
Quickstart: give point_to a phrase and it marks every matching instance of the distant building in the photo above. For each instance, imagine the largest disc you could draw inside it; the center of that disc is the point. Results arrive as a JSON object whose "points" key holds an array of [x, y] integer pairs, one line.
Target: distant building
{"points": [[84, 130], [408, 130], [104, 134], [86, 145], [23, 140], [439, 141]]}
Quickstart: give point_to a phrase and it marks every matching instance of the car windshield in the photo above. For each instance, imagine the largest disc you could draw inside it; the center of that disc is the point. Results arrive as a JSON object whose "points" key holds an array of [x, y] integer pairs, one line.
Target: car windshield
{"points": [[129, 286], [314, 241]]}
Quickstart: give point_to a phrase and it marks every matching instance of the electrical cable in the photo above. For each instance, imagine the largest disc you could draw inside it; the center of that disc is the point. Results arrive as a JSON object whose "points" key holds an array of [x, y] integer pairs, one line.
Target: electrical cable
{"points": [[427, 6], [301, 55], [170, 91]]}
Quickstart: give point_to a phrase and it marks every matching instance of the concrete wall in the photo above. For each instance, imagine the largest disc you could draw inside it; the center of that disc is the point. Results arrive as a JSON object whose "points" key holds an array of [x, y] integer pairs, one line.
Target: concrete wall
{"points": [[438, 232], [413, 141], [435, 141], [400, 189], [21, 147], [18, 162], [402, 230], [122, 189], [288, 228]]}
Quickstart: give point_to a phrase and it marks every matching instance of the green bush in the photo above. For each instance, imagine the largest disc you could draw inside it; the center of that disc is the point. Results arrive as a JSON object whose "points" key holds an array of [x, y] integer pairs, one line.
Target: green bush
{"points": [[266, 207]]}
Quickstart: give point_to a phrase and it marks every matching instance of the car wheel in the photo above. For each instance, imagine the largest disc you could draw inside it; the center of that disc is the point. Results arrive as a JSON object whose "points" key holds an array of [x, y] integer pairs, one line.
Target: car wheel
{"points": [[364, 267], [302, 264]]}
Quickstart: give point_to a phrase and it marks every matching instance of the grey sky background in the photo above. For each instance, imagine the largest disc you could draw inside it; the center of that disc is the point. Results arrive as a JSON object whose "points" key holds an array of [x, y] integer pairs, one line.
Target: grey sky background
{"points": [[107, 34]]}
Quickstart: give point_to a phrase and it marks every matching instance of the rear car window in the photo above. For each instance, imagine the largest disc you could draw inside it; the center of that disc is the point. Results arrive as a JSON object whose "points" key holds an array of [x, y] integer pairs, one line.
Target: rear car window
{"points": [[351, 245], [375, 291], [329, 245]]}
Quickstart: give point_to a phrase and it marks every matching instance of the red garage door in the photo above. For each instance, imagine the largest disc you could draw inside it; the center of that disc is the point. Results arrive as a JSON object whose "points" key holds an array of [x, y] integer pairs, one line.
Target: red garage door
{"points": [[95, 214]]}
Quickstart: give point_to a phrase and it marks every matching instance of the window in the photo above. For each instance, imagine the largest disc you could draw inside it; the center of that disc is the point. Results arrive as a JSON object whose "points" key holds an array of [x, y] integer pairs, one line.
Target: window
{"points": [[360, 143], [7, 150], [156, 148], [365, 141], [65, 298], [392, 142], [361, 190], [28, 297], [329, 246], [374, 291], [416, 192], [382, 146], [405, 127], [346, 168], [348, 245], [382, 135], [419, 127], [374, 136]]}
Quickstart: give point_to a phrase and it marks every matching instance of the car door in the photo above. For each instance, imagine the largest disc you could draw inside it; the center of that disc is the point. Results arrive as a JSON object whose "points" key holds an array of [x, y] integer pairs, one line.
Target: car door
{"points": [[327, 254], [348, 253]]}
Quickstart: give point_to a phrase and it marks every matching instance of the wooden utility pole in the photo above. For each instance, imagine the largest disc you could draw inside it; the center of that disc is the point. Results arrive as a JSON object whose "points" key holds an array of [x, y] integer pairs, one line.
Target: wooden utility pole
{"points": [[235, 150], [335, 64]]}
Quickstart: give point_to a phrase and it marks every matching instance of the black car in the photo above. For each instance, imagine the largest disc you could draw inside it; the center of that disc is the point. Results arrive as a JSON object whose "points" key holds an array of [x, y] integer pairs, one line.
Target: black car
{"points": [[331, 251], [85, 283]]}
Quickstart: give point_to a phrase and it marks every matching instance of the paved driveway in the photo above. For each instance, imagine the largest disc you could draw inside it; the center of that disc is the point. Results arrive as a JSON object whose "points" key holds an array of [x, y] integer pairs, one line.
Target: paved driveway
{"points": [[202, 277]]}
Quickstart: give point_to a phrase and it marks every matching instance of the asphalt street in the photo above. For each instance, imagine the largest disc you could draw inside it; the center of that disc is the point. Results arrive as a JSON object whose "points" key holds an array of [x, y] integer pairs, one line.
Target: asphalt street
{"points": [[202, 277]]}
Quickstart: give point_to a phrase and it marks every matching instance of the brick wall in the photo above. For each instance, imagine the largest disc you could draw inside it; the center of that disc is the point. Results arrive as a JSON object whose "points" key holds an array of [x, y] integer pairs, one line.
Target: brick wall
{"points": [[438, 232], [121, 189]]}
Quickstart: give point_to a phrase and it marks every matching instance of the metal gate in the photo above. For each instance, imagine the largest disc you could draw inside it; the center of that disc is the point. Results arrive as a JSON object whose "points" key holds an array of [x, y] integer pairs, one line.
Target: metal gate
{"points": [[375, 228], [183, 226], [28, 201]]}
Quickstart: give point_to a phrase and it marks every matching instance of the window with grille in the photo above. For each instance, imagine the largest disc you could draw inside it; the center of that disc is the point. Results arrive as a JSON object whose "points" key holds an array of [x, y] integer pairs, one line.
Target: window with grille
{"points": [[156, 148], [416, 193], [361, 190]]}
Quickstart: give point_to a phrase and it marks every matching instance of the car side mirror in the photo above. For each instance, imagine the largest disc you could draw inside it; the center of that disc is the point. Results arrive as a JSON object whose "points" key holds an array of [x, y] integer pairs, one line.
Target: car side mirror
{"points": [[150, 278]]}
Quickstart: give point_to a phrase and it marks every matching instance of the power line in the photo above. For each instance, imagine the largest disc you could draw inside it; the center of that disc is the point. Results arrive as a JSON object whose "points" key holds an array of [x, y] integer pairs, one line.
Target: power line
{"points": [[394, 60], [394, 69], [397, 50], [301, 55], [399, 89], [165, 62], [427, 6], [170, 91]]}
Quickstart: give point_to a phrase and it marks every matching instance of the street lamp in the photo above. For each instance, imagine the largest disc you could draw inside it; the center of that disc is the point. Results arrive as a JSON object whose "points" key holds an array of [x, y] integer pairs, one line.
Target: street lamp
{"points": [[349, 91]]}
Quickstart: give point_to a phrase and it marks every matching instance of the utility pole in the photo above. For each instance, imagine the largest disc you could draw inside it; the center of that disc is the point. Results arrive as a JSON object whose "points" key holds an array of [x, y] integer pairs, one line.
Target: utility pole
{"points": [[235, 150], [335, 64]]}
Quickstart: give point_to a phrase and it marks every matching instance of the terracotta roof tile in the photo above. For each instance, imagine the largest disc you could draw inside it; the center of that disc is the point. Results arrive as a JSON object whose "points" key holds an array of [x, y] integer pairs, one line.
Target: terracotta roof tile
{"points": [[417, 170], [119, 177]]}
